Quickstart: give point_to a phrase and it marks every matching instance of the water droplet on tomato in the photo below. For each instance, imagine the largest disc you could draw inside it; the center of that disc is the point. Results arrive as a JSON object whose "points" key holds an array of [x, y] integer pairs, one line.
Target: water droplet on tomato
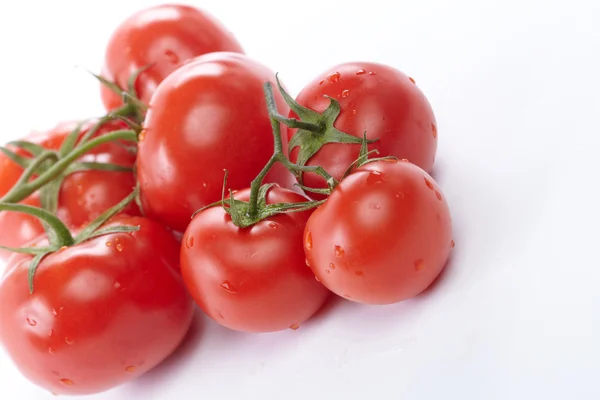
{"points": [[452, 244], [332, 265], [359, 273], [131, 368], [119, 247], [345, 93], [308, 241], [375, 177], [67, 382], [79, 189], [372, 73], [273, 225], [220, 314], [294, 327], [419, 264], [307, 262], [428, 183], [142, 136], [108, 244], [321, 82], [400, 195], [327, 271], [374, 206], [117, 285], [228, 287], [317, 279], [353, 112], [50, 332], [31, 322], [171, 56], [69, 341], [339, 251], [404, 160], [334, 77], [51, 350], [361, 72], [434, 130], [438, 195], [412, 79], [204, 184], [189, 242]]}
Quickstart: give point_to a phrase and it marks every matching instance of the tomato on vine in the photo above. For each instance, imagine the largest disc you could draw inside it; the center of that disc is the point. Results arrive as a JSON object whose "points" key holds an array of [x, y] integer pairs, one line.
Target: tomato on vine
{"points": [[383, 236], [206, 117], [162, 38]]}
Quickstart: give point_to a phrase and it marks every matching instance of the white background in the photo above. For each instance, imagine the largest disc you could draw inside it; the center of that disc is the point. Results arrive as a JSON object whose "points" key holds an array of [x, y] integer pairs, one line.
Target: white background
{"points": [[515, 87]]}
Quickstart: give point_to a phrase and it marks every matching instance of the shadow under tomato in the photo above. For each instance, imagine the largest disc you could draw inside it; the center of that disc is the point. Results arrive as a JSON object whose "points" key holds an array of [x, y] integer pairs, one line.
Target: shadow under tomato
{"points": [[333, 303]]}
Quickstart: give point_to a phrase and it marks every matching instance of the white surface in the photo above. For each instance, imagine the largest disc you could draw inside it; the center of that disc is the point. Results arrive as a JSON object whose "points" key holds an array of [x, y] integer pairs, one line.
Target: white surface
{"points": [[515, 87]]}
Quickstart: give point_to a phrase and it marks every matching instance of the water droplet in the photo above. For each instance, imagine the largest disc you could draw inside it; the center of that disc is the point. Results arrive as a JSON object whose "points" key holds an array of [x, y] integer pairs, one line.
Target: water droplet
{"points": [[79, 189], [359, 273], [400, 195], [339, 252], [317, 279], [374, 206], [345, 93], [204, 184], [353, 112], [434, 130], [438, 195], [375, 177], [142, 136], [51, 350], [228, 287], [69, 341], [119, 247], [131, 368], [334, 78], [171, 56], [31, 322], [189, 242], [361, 72], [321, 82], [428, 184], [452, 244], [108, 244], [220, 314], [404, 160], [67, 382], [419, 264], [412, 79], [307, 262], [273, 225], [327, 271], [308, 241], [117, 285], [372, 73], [332, 265], [50, 332], [294, 327]]}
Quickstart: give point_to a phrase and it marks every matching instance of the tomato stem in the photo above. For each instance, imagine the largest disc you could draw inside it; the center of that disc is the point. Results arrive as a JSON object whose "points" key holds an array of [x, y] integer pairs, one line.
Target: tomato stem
{"points": [[24, 187]]}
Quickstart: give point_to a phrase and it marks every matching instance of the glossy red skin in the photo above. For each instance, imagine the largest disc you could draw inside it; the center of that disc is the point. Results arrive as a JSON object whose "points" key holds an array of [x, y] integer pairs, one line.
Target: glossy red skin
{"points": [[383, 236], [253, 279], [208, 116], [83, 195], [377, 99], [103, 312], [165, 36]]}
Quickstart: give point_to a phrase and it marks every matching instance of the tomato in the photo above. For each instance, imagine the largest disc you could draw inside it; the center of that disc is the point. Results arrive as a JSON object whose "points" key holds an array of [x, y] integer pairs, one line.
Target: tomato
{"points": [[83, 196], [164, 36], [383, 236], [102, 313], [207, 116], [377, 99], [251, 279]]}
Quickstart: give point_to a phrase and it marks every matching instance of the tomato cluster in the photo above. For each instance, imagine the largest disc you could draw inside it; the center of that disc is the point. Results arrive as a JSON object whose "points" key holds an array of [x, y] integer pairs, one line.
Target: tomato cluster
{"points": [[207, 183]]}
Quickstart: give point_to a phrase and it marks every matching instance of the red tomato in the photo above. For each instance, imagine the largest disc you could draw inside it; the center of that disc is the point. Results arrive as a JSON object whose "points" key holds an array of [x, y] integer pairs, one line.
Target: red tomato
{"points": [[383, 236], [207, 116], [165, 36], [379, 100], [83, 195], [252, 279], [103, 312]]}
